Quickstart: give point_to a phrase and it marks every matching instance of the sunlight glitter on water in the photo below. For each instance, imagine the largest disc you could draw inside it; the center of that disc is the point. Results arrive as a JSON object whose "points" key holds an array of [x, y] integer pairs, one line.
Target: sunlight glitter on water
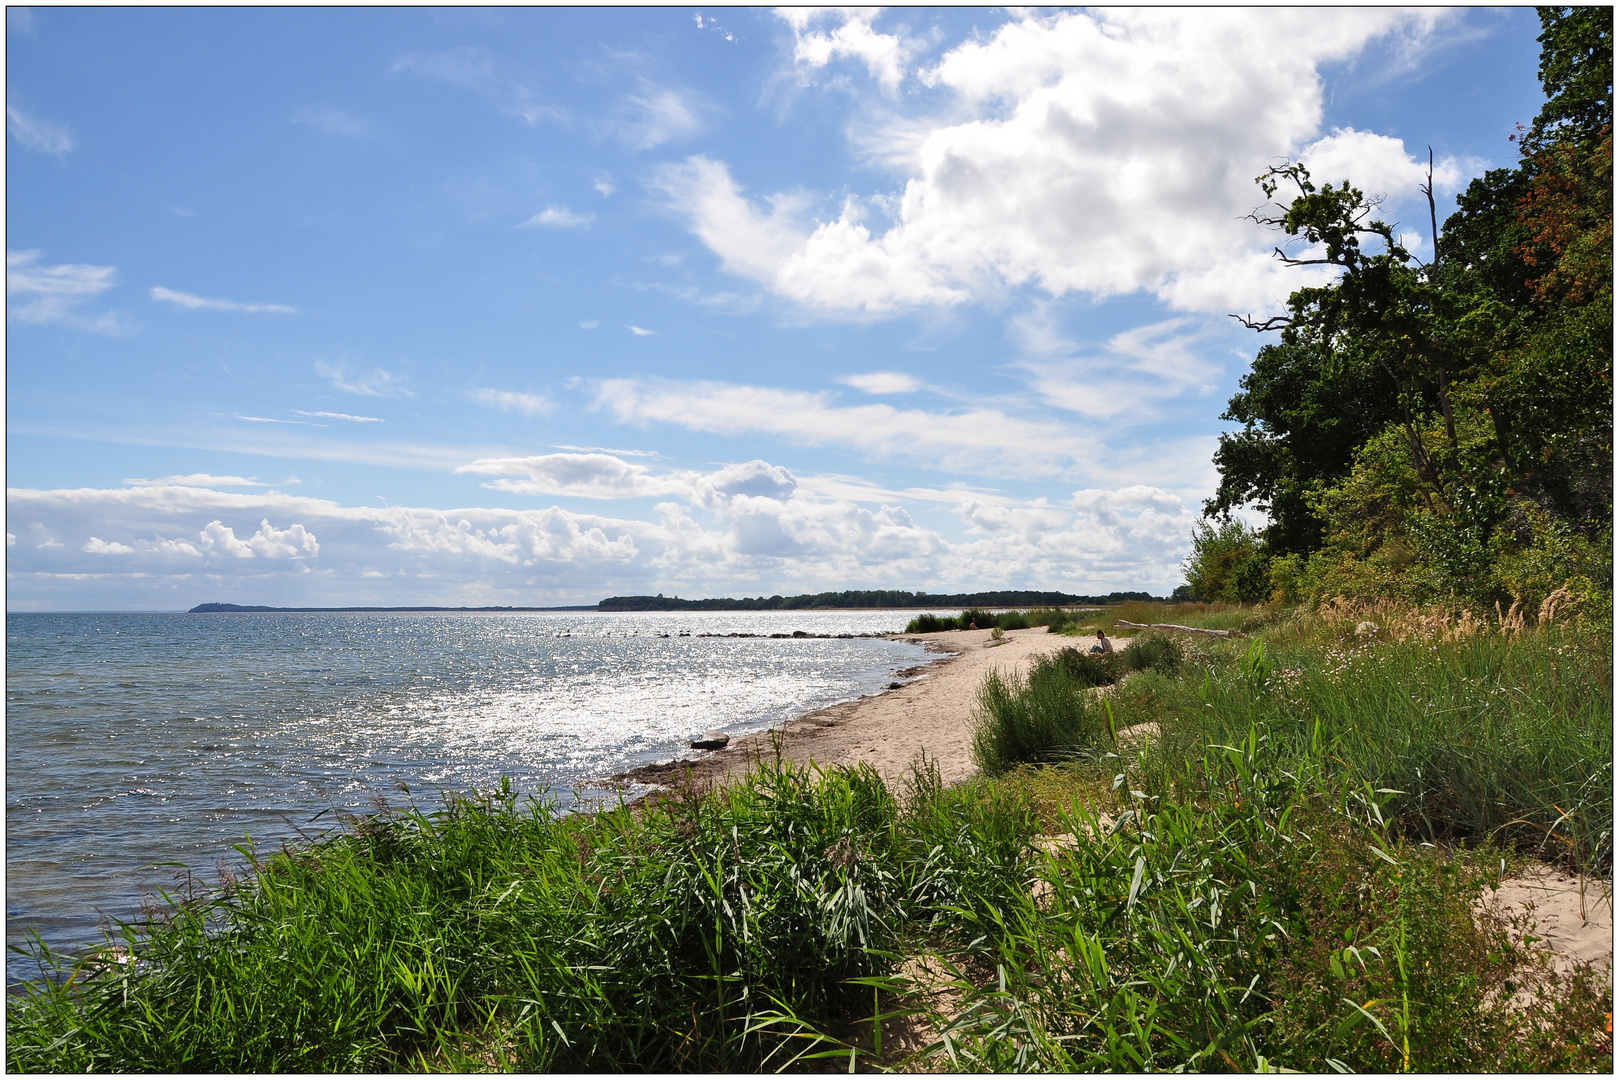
{"points": [[141, 739]]}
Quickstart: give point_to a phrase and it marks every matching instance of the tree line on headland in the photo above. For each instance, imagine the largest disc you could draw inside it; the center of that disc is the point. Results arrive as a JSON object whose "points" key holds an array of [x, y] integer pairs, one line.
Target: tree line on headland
{"points": [[867, 598]]}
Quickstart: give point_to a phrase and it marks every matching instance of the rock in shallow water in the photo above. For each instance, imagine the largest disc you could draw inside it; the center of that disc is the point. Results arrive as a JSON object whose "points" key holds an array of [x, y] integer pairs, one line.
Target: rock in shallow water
{"points": [[710, 740]]}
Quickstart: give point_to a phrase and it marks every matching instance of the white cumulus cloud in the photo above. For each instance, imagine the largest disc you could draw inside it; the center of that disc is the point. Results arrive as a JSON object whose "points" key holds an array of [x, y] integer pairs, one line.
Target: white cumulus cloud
{"points": [[738, 529], [1100, 153], [850, 34]]}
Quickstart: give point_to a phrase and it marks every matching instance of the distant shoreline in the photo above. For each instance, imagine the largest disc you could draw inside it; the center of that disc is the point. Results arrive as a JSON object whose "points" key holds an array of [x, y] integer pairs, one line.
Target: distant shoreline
{"points": [[253, 609], [849, 600]]}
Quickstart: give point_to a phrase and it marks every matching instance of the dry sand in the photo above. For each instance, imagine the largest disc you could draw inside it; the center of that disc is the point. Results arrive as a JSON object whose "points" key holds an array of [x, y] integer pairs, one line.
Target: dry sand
{"points": [[1572, 917]]}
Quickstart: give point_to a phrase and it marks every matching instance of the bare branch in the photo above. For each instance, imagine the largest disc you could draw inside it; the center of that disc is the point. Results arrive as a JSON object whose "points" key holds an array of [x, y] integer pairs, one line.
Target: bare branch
{"points": [[1433, 215], [1275, 322]]}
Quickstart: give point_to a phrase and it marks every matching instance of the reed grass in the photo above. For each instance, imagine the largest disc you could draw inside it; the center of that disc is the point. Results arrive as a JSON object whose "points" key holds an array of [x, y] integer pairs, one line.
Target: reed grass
{"points": [[1274, 920], [1473, 736]]}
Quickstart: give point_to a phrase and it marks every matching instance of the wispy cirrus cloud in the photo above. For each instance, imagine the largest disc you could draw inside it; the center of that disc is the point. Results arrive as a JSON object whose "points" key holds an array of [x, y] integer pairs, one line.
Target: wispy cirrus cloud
{"points": [[653, 115], [48, 295], [331, 121], [514, 401], [558, 217], [350, 417], [208, 480], [883, 382], [34, 133], [1134, 372], [979, 441], [192, 302], [375, 383], [477, 70], [273, 420]]}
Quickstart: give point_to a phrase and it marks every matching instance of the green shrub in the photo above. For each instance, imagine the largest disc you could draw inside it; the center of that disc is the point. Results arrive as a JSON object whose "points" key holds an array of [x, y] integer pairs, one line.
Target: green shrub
{"points": [[1012, 620], [927, 623], [1229, 562], [978, 617], [1151, 651], [1083, 668], [1051, 714]]}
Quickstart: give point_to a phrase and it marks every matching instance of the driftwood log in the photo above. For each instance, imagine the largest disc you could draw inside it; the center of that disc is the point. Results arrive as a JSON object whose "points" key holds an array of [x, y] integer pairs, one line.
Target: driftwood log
{"points": [[1172, 626]]}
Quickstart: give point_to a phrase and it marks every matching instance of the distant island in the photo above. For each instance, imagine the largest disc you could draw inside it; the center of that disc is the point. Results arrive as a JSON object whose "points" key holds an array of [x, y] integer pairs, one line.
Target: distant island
{"points": [[215, 609], [867, 598], [854, 598]]}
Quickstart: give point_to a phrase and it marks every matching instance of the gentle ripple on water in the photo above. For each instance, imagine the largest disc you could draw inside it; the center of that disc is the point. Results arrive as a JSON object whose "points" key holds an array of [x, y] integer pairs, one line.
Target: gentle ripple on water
{"points": [[139, 740]]}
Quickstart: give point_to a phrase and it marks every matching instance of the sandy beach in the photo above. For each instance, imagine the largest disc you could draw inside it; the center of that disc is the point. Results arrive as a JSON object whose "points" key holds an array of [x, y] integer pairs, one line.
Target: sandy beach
{"points": [[930, 713]]}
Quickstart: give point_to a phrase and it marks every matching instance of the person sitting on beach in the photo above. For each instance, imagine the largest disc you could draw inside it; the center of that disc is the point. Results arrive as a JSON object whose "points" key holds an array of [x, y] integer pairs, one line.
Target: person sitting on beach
{"points": [[1103, 645]]}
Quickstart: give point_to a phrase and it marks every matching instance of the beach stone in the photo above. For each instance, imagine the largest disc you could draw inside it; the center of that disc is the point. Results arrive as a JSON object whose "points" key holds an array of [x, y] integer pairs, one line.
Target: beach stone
{"points": [[710, 740], [895, 685]]}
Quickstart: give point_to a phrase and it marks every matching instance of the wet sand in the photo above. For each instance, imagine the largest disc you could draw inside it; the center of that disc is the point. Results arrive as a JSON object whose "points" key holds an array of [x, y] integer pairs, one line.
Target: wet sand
{"points": [[930, 713]]}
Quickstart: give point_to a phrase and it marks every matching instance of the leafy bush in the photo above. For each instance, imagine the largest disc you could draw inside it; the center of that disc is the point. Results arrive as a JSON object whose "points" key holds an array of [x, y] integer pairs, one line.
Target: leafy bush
{"points": [[1083, 668], [1151, 651], [978, 617], [1012, 620], [928, 623], [1229, 562], [1050, 714]]}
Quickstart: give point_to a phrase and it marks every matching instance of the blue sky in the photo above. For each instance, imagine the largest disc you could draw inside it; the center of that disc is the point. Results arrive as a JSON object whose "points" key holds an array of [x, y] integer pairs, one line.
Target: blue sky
{"points": [[311, 306]]}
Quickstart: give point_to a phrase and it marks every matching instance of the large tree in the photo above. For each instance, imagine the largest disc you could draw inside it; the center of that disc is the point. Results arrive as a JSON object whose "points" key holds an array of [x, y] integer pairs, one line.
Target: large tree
{"points": [[1491, 365]]}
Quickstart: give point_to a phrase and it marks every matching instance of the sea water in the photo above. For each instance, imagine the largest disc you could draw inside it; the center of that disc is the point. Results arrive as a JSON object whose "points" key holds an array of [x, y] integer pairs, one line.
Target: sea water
{"points": [[141, 748]]}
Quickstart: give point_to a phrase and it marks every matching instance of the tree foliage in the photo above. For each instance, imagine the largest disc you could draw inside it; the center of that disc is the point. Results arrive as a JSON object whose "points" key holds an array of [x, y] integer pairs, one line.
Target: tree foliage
{"points": [[1419, 427]]}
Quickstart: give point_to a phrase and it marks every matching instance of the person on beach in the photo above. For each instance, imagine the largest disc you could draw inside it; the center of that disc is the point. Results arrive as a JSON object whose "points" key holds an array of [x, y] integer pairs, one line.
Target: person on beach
{"points": [[1103, 645]]}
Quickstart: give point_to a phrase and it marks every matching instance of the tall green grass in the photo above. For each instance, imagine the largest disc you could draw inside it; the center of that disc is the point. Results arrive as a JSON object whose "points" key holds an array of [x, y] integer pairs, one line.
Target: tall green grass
{"points": [[1486, 736], [1054, 618], [707, 931], [1053, 712], [1269, 918], [1476, 737]]}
